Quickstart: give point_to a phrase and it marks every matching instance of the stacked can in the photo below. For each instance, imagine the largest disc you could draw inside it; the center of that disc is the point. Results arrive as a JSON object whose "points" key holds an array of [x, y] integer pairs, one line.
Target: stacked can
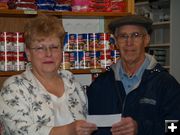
{"points": [[95, 59], [18, 51], [93, 41], [74, 60], [105, 54], [112, 42], [94, 50], [104, 41], [66, 60], [89, 50], [70, 42], [6, 63], [82, 42], [84, 59], [105, 58], [115, 56]]}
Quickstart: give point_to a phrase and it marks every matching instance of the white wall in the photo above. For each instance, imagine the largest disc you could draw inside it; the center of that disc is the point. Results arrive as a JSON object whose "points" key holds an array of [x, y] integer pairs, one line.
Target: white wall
{"points": [[81, 24], [175, 39]]}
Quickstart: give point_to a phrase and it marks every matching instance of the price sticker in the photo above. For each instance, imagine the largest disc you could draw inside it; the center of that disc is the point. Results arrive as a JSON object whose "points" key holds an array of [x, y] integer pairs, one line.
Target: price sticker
{"points": [[30, 12]]}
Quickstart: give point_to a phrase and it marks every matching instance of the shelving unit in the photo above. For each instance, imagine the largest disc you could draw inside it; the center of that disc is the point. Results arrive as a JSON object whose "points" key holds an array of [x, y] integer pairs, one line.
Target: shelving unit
{"points": [[160, 38], [75, 71], [21, 13], [14, 20], [156, 24]]}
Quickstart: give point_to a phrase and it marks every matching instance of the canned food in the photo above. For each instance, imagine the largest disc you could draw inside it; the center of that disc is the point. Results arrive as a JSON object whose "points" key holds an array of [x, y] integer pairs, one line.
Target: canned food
{"points": [[19, 64], [105, 58], [6, 61], [6, 42], [66, 60], [74, 61], [104, 41], [82, 42], [115, 56], [93, 41], [84, 60], [70, 42], [18, 42], [95, 59]]}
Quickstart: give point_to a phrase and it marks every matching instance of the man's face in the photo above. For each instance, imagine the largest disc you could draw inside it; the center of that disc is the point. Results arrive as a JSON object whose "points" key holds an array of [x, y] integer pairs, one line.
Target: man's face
{"points": [[131, 42]]}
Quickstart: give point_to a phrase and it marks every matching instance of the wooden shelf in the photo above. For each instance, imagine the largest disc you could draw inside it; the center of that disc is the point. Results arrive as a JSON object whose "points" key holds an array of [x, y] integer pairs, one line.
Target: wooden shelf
{"points": [[18, 13], [74, 71], [13, 12], [9, 73], [87, 71]]}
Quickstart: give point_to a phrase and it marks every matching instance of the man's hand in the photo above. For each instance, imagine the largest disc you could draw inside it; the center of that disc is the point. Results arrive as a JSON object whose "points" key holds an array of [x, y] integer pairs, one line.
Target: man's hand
{"points": [[127, 126]]}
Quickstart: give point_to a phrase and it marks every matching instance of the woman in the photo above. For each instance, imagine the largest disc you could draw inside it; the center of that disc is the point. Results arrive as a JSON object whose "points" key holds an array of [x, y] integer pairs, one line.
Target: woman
{"points": [[43, 99]]}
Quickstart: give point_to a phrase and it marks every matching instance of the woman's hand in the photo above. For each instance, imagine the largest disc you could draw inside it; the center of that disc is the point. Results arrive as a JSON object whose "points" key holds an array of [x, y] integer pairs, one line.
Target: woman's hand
{"points": [[84, 128], [127, 126], [78, 127]]}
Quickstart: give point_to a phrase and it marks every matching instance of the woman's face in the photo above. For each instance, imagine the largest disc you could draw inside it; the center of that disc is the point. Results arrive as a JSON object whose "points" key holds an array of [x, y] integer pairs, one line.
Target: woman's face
{"points": [[131, 41], [45, 55]]}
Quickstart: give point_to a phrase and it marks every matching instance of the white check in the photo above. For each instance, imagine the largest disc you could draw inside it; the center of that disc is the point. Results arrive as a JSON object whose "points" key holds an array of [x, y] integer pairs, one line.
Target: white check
{"points": [[104, 120]]}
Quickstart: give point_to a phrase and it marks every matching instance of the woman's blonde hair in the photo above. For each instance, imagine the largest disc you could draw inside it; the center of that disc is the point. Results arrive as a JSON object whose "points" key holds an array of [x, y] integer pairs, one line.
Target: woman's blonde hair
{"points": [[41, 27]]}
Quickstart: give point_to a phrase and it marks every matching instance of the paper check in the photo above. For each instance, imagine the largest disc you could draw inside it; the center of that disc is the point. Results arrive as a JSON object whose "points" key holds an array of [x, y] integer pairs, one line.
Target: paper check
{"points": [[104, 120]]}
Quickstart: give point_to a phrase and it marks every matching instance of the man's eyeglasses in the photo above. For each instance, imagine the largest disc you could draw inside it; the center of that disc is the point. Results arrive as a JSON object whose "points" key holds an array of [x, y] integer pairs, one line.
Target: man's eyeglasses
{"points": [[135, 36], [40, 49]]}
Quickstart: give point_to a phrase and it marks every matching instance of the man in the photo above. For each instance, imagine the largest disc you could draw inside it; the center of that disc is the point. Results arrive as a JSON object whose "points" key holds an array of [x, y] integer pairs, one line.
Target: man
{"points": [[136, 86]]}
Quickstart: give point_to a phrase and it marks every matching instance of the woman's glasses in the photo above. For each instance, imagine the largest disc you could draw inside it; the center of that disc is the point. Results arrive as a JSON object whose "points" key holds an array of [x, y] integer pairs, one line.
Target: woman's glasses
{"points": [[42, 49]]}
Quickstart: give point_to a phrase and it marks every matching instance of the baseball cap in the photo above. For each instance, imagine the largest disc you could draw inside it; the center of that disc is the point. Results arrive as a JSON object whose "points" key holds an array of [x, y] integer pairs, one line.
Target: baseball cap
{"points": [[131, 19]]}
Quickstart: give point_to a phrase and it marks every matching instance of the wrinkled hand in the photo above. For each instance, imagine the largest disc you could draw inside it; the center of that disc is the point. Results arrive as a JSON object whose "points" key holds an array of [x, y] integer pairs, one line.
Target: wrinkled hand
{"points": [[127, 126], [84, 128]]}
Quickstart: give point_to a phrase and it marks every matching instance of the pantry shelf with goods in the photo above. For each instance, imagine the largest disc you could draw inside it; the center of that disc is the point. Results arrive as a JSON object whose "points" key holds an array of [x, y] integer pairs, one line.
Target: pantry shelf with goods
{"points": [[82, 53], [159, 12], [12, 23]]}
